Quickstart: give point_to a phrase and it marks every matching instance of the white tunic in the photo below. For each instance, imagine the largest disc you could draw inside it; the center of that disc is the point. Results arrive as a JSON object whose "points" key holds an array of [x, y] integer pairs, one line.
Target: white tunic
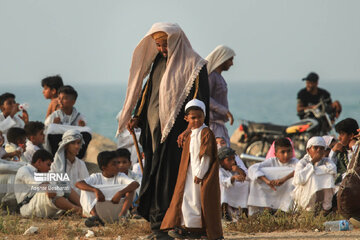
{"points": [[261, 195], [72, 119], [40, 204], [76, 171], [234, 194], [9, 122], [191, 204], [30, 150], [11, 147], [109, 186], [309, 179]]}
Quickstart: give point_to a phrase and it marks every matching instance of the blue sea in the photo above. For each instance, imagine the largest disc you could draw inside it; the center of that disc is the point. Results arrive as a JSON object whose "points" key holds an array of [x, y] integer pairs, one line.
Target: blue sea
{"points": [[261, 102]]}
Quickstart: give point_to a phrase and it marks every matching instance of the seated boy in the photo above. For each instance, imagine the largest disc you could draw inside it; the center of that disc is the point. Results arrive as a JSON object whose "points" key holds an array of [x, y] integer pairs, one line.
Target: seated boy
{"points": [[51, 86], [40, 203], [67, 114], [234, 188], [314, 177], [107, 195], [270, 185], [36, 138], [124, 160], [16, 142], [8, 117], [342, 152], [196, 200], [65, 160], [220, 142]]}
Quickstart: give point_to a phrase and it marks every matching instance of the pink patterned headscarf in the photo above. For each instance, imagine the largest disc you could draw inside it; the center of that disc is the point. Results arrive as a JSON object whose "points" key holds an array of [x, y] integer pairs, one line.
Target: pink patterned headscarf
{"points": [[271, 152]]}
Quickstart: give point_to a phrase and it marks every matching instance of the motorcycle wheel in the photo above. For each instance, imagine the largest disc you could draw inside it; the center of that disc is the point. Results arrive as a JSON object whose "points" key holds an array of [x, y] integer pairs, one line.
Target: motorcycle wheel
{"points": [[258, 148]]}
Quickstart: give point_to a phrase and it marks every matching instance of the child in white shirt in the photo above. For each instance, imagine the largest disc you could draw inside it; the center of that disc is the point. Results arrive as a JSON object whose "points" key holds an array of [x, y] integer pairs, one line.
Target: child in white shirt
{"points": [[314, 177], [101, 192]]}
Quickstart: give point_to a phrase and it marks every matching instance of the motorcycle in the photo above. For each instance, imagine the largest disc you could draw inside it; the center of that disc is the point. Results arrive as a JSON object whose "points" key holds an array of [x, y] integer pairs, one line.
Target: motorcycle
{"points": [[256, 138]]}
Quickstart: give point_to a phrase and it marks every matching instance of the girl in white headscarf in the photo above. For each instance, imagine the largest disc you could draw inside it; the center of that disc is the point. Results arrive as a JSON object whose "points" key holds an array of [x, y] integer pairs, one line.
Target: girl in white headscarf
{"points": [[65, 160]]}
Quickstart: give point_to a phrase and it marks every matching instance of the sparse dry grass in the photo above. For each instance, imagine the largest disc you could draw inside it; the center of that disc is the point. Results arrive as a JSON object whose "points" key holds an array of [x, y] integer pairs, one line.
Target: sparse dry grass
{"points": [[12, 226], [281, 221]]}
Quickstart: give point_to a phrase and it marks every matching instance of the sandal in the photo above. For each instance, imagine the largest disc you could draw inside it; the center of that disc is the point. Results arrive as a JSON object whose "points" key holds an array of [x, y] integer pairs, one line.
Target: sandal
{"points": [[180, 233], [94, 221]]}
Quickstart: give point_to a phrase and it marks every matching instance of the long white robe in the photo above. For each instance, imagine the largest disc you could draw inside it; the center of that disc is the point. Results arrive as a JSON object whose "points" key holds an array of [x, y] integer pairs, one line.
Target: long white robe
{"points": [[309, 179], [76, 171], [234, 194], [261, 195], [40, 204], [106, 210], [191, 204]]}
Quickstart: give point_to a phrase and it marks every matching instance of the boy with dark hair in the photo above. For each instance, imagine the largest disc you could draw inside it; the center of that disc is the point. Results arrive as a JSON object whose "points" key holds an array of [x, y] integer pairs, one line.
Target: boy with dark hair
{"points": [[234, 188], [270, 185], [108, 195], [40, 203], [51, 86], [196, 200], [8, 117], [35, 135], [343, 150], [67, 114], [124, 160], [16, 142]]}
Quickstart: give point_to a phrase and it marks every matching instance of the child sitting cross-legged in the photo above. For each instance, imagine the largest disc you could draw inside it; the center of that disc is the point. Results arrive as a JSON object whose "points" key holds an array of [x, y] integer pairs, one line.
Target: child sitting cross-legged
{"points": [[36, 138], [38, 202], [271, 183], [234, 188], [66, 161], [195, 206], [108, 195], [314, 177]]}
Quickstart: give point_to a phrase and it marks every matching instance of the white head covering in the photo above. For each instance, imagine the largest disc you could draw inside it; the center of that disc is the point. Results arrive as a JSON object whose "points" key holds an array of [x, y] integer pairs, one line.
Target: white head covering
{"points": [[315, 141], [218, 56], [59, 163], [196, 103], [182, 67], [328, 139]]}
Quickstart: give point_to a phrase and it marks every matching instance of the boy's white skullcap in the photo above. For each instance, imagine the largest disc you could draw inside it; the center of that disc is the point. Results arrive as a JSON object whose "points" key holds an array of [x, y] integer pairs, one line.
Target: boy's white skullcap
{"points": [[316, 141], [196, 103]]}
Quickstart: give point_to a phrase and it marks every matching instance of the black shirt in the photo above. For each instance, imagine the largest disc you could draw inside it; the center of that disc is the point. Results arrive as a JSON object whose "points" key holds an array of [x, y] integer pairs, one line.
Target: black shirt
{"points": [[307, 99]]}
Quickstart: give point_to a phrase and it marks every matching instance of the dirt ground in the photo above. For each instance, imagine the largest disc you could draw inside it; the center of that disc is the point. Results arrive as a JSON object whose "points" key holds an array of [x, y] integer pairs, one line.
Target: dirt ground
{"points": [[13, 227]]}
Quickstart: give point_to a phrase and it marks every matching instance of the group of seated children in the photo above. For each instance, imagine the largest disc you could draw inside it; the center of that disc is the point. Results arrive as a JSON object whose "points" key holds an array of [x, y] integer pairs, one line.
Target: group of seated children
{"points": [[284, 182], [104, 196]]}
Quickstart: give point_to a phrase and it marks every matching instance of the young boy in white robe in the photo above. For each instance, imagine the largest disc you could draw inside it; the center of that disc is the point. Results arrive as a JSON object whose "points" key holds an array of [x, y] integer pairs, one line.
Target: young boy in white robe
{"points": [[234, 188], [65, 160], [314, 178], [271, 183], [8, 118], [16, 143], [67, 114], [35, 138], [34, 197], [108, 195], [195, 206]]}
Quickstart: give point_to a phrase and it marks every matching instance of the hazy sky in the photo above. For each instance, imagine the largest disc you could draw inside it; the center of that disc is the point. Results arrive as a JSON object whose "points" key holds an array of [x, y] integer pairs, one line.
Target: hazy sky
{"points": [[91, 41]]}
